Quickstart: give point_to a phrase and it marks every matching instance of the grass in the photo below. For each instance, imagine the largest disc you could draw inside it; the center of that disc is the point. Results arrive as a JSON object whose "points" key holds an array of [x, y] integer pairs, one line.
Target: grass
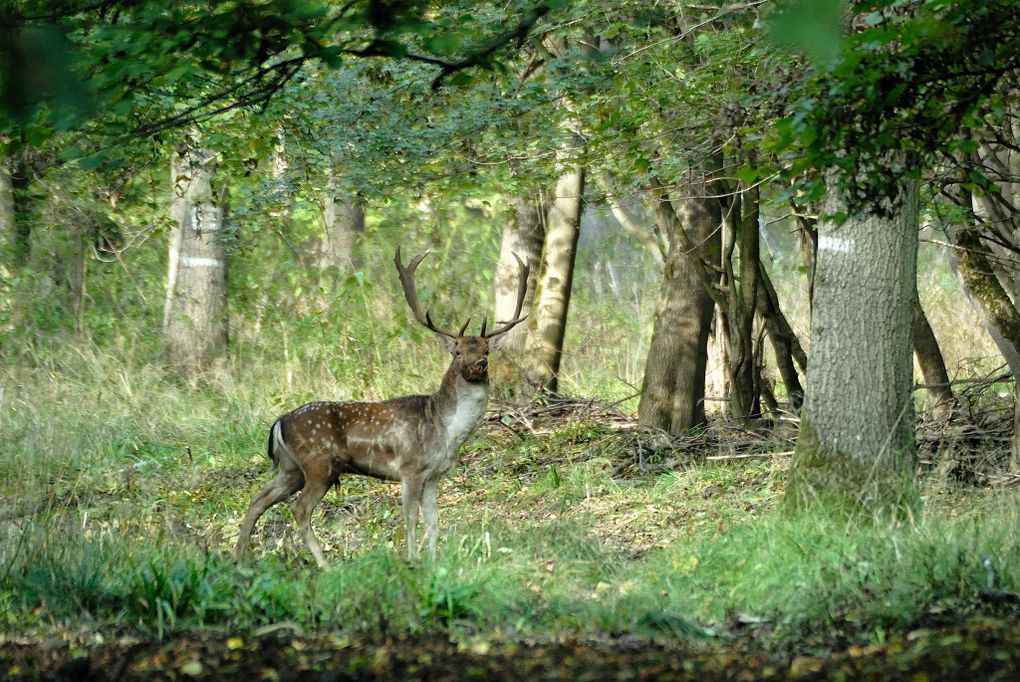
{"points": [[122, 490]]}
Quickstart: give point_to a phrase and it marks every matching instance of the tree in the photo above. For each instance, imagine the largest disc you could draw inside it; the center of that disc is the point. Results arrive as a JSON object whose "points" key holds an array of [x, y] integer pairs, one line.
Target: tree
{"points": [[548, 325], [195, 314], [933, 367], [856, 441], [343, 220], [877, 104], [673, 390], [523, 236]]}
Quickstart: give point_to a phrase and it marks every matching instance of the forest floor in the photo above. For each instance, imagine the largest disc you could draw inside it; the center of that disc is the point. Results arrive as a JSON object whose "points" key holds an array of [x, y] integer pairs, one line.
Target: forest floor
{"points": [[978, 650], [574, 547]]}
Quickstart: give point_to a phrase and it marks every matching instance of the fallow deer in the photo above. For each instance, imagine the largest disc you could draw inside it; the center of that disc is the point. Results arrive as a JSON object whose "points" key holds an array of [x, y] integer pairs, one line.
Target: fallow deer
{"points": [[415, 440]]}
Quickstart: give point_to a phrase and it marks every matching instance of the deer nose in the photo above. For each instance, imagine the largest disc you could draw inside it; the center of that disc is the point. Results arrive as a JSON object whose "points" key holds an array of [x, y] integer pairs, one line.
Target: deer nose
{"points": [[482, 365]]}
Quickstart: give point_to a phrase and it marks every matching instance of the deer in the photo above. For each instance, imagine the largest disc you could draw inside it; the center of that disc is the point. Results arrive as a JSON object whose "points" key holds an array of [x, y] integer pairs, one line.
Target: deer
{"points": [[415, 440]]}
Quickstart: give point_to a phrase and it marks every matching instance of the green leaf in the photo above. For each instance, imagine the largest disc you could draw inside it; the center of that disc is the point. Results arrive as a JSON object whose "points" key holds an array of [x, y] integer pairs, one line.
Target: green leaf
{"points": [[811, 27], [746, 174]]}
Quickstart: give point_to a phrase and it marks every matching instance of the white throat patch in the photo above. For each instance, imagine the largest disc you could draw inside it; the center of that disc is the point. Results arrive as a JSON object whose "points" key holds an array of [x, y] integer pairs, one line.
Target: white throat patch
{"points": [[472, 399]]}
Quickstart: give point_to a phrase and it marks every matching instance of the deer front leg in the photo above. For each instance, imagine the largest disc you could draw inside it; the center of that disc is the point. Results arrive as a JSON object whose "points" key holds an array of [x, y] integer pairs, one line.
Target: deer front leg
{"points": [[410, 494], [430, 511]]}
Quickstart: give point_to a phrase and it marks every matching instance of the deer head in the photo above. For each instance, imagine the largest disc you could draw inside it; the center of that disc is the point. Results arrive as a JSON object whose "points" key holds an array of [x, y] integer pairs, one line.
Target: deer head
{"points": [[470, 353]]}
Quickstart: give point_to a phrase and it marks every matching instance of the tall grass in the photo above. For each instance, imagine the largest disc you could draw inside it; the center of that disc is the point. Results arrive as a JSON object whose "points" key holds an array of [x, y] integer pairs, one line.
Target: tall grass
{"points": [[122, 486]]}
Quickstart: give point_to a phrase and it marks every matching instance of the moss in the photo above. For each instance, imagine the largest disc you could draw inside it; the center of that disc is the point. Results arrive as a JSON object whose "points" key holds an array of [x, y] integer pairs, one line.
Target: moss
{"points": [[823, 478]]}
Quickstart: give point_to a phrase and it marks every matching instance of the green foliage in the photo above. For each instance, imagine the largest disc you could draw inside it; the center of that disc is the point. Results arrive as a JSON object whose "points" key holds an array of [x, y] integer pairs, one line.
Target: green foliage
{"points": [[911, 84], [132, 69]]}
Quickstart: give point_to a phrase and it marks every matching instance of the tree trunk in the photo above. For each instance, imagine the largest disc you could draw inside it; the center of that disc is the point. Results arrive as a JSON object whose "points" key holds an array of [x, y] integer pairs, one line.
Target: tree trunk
{"points": [[522, 236], [856, 443], [81, 231], [673, 390], [785, 343], [552, 298], [1001, 316], [195, 317], [344, 219], [741, 231], [933, 367]]}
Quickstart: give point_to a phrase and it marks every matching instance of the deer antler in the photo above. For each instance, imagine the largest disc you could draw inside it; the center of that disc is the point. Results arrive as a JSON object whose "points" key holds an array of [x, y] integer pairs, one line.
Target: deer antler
{"points": [[411, 294], [522, 289]]}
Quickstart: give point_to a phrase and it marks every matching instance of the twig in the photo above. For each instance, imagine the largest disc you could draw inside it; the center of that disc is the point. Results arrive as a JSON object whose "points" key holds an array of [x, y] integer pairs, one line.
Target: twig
{"points": [[715, 458]]}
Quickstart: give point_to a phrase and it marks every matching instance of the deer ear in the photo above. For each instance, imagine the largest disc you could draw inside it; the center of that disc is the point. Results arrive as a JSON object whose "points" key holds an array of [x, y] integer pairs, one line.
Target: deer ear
{"points": [[495, 342], [450, 344]]}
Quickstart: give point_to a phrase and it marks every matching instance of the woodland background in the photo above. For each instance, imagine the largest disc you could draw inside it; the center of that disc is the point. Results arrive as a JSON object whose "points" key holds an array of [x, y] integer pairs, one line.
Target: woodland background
{"points": [[762, 413]]}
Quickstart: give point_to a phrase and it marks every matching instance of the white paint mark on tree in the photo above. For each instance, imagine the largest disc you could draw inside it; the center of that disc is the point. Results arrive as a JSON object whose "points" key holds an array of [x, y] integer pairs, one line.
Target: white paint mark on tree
{"points": [[837, 244]]}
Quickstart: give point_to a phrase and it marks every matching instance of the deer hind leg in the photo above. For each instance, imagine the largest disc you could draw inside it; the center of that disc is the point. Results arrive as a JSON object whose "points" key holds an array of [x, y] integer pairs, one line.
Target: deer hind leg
{"points": [[430, 513], [411, 494], [287, 481], [317, 484]]}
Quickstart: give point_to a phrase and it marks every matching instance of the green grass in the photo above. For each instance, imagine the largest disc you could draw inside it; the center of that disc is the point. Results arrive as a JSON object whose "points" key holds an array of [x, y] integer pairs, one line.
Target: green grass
{"points": [[122, 489]]}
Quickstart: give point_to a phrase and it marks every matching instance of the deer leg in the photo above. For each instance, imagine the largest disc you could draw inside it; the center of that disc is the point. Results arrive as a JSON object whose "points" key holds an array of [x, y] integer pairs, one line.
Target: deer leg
{"points": [[430, 512], [315, 489], [410, 493], [286, 482]]}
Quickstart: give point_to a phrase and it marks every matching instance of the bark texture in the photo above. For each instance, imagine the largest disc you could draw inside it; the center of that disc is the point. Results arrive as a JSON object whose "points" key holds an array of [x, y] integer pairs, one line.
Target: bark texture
{"points": [[856, 442], [195, 316], [523, 236], [673, 389], [552, 298]]}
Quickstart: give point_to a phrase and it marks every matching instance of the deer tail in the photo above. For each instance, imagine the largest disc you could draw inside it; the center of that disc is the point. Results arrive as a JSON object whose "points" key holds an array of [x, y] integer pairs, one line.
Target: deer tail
{"points": [[275, 441]]}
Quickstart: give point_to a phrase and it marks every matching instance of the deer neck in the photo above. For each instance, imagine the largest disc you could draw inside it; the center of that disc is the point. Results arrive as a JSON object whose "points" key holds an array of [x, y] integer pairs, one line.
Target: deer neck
{"points": [[459, 406]]}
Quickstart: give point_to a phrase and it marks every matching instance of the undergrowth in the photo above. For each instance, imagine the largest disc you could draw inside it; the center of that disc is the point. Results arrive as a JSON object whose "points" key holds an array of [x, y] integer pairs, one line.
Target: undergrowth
{"points": [[122, 492]]}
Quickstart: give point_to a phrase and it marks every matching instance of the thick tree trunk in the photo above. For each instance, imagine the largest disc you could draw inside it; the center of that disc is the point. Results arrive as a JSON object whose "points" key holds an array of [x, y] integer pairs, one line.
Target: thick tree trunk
{"points": [[523, 236], [856, 443], [195, 318], [552, 294], [933, 367], [673, 390]]}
